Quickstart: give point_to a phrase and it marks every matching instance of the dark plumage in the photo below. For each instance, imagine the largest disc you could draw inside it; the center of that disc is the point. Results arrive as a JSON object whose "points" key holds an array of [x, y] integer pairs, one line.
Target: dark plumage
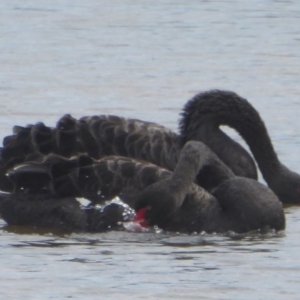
{"points": [[236, 203], [100, 136], [173, 201], [202, 117], [42, 210], [84, 177]]}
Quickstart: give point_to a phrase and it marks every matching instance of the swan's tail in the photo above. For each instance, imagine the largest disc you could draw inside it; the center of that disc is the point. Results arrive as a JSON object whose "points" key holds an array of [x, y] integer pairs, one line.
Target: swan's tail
{"points": [[34, 141]]}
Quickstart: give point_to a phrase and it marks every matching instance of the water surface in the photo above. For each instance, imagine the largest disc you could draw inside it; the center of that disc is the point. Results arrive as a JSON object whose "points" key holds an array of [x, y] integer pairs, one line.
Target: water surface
{"points": [[144, 59]]}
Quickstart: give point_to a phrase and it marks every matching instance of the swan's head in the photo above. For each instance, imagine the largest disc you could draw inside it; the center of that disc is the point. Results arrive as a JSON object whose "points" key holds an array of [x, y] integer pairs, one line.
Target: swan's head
{"points": [[160, 200]]}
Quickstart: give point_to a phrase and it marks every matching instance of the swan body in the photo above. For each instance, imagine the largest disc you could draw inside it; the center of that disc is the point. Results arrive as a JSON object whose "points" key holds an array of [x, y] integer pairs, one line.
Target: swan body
{"points": [[64, 213], [172, 200], [100, 136], [215, 108], [236, 203]]}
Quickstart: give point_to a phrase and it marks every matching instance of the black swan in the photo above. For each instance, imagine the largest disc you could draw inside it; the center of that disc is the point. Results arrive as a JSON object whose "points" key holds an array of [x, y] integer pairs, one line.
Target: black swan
{"points": [[172, 200], [211, 109], [100, 136]]}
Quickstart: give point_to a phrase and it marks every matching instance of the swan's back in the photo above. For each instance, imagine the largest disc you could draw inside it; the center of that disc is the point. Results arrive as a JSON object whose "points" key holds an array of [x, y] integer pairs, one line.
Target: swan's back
{"points": [[82, 176], [98, 136]]}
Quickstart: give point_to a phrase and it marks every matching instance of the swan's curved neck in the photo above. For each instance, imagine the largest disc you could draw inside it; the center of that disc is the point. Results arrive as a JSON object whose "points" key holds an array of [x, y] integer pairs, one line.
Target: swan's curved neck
{"points": [[193, 157], [217, 108]]}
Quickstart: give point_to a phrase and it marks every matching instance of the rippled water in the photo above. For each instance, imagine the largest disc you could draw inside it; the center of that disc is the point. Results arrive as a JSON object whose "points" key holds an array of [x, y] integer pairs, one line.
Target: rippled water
{"points": [[144, 59]]}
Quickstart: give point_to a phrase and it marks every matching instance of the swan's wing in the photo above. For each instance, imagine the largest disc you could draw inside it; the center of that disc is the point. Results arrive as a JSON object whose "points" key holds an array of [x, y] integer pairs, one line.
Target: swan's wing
{"points": [[82, 176], [98, 136]]}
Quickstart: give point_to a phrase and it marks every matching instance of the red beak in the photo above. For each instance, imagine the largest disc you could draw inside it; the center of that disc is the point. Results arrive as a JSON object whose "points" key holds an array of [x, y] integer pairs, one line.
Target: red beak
{"points": [[140, 218]]}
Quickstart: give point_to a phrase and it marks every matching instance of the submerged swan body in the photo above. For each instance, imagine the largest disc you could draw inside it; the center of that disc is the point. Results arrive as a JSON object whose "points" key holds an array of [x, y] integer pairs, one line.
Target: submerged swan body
{"points": [[65, 213], [172, 200]]}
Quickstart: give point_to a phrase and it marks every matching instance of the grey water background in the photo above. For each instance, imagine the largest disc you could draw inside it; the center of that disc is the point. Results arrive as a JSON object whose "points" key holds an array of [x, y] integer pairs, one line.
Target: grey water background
{"points": [[145, 59]]}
